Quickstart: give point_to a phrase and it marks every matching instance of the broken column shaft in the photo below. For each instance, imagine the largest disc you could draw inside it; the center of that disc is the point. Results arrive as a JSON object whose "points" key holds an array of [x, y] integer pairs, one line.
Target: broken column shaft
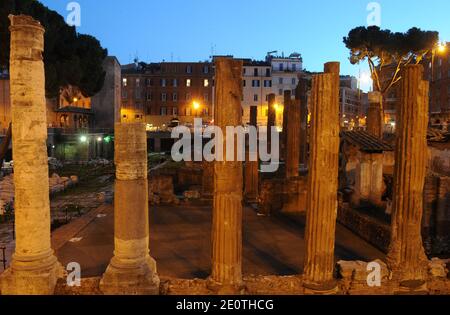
{"points": [[226, 276], [34, 268], [322, 182], [251, 187], [375, 116], [131, 270], [406, 253]]}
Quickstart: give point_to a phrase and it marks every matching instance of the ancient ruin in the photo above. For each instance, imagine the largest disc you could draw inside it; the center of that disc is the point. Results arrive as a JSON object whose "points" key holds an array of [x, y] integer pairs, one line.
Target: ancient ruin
{"points": [[348, 212]]}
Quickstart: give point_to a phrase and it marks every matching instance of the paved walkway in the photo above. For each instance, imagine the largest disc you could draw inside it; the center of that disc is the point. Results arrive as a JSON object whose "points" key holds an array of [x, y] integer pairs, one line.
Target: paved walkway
{"points": [[180, 243]]}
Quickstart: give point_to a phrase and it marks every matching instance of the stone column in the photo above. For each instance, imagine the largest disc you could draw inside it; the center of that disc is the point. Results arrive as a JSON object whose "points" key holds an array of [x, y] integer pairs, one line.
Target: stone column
{"points": [[292, 140], [271, 117], [34, 268], [376, 179], [131, 271], [251, 190], [287, 104], [322, 182], [226, 276], [369, 179], [301, 95], [375, 116], [406, 256]]}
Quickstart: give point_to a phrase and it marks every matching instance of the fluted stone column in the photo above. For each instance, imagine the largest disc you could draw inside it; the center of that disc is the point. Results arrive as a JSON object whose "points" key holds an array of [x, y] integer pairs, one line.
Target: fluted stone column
{"points": [[34, 268], [226, 276], [322, 182], [301, 95], [375, 116], [406, 253], [131, 270], [251, 187], [271, 117]]}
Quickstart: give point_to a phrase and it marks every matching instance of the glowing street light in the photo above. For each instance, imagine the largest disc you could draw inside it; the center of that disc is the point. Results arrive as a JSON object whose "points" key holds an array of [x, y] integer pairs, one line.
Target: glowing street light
{"points": [[196, 105], [99, 139], [442, 47], [83, 139]]}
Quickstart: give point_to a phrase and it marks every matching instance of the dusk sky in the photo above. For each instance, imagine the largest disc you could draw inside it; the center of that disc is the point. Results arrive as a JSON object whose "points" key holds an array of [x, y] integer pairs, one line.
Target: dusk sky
{"points": [[190, 30]]}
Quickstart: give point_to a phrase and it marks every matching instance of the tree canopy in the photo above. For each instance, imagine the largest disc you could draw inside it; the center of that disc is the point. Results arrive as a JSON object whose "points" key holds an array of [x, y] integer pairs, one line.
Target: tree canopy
{"points": [[384, 48], [70, 58]]}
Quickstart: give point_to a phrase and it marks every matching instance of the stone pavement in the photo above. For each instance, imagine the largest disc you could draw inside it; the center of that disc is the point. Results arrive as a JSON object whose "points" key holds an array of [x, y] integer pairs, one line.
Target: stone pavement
{"points": [[180, 241]]}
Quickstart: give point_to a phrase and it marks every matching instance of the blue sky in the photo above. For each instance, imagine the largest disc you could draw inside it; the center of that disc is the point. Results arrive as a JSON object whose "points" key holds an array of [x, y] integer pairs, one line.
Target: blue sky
{"points": [[187, 30]]}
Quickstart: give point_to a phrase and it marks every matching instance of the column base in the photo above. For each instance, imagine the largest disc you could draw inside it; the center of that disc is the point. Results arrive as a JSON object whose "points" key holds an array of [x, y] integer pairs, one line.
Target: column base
{"points": [[134, 280], [412, 287], [226, 289], [31, 277], [325, 288]]}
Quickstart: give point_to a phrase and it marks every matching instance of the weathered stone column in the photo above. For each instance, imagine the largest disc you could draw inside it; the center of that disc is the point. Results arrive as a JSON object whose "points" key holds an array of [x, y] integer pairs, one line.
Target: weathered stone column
{"points": [[131, 270], [226, 276], [406, 256], [322, 182], [271, 117], [301, 95], [375, 116], [292, 140], [287, 103], [34, 268], [251, 187]]}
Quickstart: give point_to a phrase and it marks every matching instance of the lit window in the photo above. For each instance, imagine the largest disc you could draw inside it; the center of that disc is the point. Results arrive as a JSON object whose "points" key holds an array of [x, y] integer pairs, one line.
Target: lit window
{"points": [[124, 82], [206, 83], [188, 82]]}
